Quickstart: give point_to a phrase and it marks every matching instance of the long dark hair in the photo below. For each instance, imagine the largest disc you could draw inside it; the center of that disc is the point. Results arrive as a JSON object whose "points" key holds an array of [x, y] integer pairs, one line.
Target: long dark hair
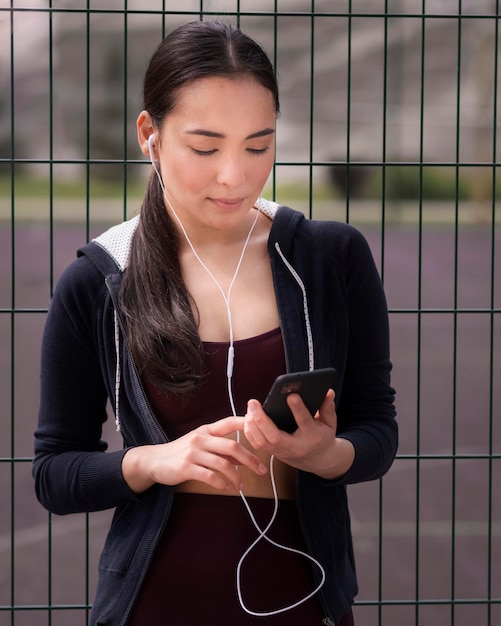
{"points": [[161, 318]]}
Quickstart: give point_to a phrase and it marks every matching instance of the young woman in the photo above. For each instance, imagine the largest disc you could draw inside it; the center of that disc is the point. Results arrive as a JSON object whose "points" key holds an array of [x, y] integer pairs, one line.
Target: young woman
{"points": [[183, 317]]}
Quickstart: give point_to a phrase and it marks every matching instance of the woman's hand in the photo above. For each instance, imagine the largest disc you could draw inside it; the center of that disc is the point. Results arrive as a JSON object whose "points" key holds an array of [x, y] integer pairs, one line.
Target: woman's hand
{"points": [[313, 447], [204, 454]]}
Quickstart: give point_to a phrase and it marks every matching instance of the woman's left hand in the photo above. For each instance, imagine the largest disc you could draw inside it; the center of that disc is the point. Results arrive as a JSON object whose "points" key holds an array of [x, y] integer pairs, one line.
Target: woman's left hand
{"points": [[313, 447]]}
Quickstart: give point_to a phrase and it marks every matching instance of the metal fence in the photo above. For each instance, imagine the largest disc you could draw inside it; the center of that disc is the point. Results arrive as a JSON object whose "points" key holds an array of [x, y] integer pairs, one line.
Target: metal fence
{"points": [[390, 122]]}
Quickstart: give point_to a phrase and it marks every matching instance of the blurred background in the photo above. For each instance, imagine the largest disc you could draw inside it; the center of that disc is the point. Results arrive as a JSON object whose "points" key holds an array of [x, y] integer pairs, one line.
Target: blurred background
{"points": [[390, 121]]}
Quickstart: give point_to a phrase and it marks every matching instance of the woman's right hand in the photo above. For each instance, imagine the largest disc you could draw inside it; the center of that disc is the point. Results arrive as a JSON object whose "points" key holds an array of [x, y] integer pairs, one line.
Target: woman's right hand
{"points": [[205, 454]]}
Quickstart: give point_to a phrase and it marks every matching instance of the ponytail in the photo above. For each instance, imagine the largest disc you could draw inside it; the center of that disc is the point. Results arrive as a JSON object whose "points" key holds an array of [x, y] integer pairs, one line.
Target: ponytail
{"points": [[160, 316]]}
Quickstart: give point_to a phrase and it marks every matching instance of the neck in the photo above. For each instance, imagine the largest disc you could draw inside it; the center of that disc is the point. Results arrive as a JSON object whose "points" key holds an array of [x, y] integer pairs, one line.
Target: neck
{"points": [[207, 269], [215, 242]]}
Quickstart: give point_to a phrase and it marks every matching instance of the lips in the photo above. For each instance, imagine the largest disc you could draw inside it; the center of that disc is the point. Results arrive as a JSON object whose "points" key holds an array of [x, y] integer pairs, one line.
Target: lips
{"points": [[227, 203]]}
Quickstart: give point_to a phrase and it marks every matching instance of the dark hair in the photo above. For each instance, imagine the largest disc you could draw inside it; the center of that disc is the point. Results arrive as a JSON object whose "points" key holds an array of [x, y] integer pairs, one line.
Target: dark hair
{"points": [[197, 50], [161, 317]]}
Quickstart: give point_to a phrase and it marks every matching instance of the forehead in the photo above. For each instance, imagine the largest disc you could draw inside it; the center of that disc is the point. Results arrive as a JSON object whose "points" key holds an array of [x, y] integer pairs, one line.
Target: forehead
{"points": [[221, 101]]}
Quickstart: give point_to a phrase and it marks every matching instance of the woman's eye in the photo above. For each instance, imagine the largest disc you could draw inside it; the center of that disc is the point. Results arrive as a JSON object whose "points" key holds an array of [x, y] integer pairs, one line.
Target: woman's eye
{"points": [[258, 151], [203, 152]]}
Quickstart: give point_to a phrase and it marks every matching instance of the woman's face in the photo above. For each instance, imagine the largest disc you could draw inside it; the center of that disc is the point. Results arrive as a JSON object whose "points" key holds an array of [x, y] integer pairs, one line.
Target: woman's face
{"points": [[216, 150]]}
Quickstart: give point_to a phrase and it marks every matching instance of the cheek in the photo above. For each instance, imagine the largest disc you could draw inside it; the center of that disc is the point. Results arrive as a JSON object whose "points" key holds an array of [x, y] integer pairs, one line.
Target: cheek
{"points": [[188, 175], [262, 172]]}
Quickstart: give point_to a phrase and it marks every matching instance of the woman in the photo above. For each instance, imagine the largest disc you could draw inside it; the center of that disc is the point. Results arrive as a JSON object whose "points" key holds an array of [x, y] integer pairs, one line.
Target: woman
{"points": [[182, 317]]}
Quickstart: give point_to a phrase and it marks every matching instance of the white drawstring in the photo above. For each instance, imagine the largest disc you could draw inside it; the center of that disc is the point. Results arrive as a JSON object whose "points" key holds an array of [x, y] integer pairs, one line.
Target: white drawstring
{"points": [[309, 335], [117, 372]]}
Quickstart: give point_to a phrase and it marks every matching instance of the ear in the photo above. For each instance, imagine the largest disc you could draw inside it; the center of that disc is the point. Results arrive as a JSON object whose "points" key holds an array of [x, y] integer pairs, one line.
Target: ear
{"points": [[145, 128]]}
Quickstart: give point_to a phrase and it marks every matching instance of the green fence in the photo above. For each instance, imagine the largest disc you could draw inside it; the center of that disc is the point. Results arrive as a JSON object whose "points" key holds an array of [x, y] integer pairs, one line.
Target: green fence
{"points": [[390, 122]]}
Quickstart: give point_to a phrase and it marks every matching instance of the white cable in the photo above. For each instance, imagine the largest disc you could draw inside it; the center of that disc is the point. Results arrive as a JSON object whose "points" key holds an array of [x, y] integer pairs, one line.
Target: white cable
{"points": [[229, 375], [226, 297], [263, 535]]}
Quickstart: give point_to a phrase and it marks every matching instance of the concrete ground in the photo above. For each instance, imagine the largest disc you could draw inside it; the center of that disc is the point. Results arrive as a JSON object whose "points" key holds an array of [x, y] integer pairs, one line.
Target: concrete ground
{"points": [[431, 532]]}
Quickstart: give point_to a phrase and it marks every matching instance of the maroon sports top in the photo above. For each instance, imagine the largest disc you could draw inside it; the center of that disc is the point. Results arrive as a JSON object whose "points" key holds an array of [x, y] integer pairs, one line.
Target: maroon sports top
{"points": [[257, 362]]}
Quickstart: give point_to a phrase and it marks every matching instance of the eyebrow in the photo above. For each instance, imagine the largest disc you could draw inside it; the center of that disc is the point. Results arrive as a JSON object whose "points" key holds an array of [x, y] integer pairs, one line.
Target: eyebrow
{"points": [[209, 133]]}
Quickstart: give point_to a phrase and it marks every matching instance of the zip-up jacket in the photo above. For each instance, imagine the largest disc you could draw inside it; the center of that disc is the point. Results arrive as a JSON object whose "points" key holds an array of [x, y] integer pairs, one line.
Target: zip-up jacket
{"points": [[332, 312]]}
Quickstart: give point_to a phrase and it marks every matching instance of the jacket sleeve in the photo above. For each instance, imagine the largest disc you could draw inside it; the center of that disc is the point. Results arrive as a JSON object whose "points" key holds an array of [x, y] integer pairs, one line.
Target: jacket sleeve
{"points": [[71, 468], [366, 411]]}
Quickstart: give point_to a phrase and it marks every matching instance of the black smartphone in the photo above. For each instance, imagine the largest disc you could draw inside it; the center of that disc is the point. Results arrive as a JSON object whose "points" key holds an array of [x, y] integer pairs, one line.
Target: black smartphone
{"points": [[311, 386]]}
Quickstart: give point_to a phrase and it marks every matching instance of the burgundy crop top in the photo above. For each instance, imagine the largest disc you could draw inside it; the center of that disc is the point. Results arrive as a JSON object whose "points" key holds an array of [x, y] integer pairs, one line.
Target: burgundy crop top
{"points": [[258, 361]]}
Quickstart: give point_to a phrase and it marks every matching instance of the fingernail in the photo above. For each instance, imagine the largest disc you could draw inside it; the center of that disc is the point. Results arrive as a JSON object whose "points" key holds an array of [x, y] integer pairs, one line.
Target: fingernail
{"points": [[262, 468], [251, 407]]}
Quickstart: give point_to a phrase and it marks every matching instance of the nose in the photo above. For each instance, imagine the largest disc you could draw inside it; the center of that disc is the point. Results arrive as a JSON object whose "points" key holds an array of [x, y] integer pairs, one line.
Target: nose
{"points": [[231, 171]]}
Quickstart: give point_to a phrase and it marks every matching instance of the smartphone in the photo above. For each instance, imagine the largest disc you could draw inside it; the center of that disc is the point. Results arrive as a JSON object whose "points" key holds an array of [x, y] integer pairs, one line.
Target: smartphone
{"points": [[311, 386]]}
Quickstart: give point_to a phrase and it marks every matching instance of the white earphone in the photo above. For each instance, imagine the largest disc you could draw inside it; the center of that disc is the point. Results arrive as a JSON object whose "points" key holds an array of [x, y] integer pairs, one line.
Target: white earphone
{"points": [[151, 139], [262, 533]]}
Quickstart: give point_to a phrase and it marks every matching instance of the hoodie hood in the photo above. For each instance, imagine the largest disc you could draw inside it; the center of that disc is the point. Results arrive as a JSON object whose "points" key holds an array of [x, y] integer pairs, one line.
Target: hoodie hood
{"points": [[117, 240]]}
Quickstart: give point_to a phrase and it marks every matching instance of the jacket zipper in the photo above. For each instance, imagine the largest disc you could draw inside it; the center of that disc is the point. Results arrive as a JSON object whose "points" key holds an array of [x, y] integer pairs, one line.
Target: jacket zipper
{"points": [[151, 552]]}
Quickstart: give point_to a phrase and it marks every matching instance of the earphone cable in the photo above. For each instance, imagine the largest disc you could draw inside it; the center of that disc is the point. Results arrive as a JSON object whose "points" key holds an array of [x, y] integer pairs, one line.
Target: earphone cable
{"points": [[263, 535], [229, 374]]}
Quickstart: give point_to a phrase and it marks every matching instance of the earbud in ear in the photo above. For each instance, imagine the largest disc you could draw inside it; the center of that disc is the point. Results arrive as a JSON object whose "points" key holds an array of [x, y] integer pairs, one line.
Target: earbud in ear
{"points": [[151, 140]]}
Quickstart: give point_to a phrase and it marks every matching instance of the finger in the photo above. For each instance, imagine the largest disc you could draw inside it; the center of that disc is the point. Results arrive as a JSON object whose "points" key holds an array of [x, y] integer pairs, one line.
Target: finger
{"points": [[254, 436], [327, 411], [225, 426], [229, 449], [260, 431], [212, 470], [217, 466], [302, 415], [237, 454], [328, 401]]}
